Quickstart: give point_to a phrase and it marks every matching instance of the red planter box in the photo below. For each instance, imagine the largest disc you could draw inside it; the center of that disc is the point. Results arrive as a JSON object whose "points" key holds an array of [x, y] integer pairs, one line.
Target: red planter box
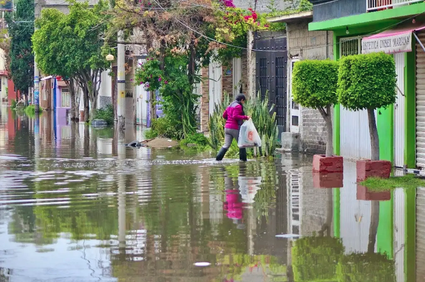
{"points": [[366, 195], [321, 163], [368, 168], [328, 180]]}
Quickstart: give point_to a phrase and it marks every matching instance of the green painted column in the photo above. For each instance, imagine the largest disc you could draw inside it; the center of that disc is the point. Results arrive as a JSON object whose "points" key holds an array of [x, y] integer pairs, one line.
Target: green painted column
{"points": [[385, 237], [410, 106], [410, 236], [337, 108], [337, 212]]}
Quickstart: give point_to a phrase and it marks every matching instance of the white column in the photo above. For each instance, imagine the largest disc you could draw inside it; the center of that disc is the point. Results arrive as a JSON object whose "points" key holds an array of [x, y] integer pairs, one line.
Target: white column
{"points": [[121, 79]]}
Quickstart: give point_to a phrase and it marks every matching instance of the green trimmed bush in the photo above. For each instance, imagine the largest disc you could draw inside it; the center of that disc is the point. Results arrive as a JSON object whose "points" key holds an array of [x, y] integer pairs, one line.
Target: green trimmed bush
{"points": [[314, 85], [367, 82], [316, 258], [366, 267]]}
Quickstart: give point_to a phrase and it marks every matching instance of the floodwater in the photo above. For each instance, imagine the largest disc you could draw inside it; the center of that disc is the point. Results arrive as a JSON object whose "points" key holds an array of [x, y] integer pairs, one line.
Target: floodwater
{"points": [[77, 205]]}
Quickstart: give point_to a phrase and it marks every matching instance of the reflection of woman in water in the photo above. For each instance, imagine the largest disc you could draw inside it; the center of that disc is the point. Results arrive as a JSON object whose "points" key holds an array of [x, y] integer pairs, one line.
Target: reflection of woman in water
{"points": [[233, 204]]}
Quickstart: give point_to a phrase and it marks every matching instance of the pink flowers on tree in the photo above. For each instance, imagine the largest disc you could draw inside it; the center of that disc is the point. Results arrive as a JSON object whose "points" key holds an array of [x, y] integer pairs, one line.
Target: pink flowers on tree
{"points": [[228, 3]]}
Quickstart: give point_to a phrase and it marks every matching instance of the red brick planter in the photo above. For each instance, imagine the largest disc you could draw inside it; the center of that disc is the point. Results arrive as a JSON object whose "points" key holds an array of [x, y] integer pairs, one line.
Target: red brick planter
{"points": [[368, 168], [321, 163], [328, 180], [365, 194]]}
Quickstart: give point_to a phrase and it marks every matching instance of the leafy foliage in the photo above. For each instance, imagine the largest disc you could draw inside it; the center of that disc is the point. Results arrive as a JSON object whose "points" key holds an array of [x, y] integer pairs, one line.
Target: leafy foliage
{"points": [[70, 45], [367, 81], [176, 90], [315, 258], [314, 83], [106, 114], [366, 267], [162, 127], [21, 28]]}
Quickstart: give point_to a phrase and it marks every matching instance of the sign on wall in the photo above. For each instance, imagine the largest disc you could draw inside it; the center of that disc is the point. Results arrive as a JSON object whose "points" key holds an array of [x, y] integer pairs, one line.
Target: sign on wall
{"points": [[390, 44]]}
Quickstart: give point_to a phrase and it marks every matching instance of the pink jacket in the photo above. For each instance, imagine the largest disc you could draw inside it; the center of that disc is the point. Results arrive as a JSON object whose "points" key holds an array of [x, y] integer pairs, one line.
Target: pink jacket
{"points": [[234, 116]]}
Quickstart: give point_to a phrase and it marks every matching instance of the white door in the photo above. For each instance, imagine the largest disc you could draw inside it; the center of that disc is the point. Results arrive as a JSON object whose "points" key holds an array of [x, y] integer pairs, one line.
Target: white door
{"points": [[294, 108], [399, 112]]}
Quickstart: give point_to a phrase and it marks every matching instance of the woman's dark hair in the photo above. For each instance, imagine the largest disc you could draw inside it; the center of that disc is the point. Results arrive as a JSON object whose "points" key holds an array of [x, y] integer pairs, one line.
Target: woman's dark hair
{"points": [[240, 97]]}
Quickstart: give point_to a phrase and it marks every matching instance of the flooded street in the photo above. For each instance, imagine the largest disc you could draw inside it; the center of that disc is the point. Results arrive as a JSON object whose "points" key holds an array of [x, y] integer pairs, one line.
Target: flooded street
{"points": [[77, 205]]}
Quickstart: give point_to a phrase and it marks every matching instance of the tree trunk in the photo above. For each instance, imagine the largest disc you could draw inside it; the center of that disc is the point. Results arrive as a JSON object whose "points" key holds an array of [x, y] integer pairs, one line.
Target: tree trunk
{"points": [[93, 108], [74, 105], [329, 215], [374, 138], [330, 137], [373, 228], [86, 141], [327, 116], [86, 105]]}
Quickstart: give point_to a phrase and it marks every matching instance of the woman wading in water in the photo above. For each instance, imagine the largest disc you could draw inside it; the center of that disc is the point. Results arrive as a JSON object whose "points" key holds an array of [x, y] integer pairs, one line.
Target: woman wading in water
{"points": [[234, 116]]}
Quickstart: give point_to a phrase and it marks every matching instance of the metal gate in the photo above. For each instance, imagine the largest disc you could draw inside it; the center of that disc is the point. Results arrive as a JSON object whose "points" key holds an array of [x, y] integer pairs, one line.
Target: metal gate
{"points": [[399, 111], [271, 76]]}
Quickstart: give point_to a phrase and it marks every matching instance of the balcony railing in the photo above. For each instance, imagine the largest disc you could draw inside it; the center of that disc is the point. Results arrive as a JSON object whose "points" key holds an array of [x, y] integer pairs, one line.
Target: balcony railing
{"points": [[375, 5]]}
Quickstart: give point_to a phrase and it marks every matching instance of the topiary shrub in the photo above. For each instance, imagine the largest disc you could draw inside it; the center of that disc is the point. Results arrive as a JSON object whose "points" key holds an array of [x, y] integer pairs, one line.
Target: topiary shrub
{"points": [[366, 267], [367, 82], [316, 258], [314, 85]]}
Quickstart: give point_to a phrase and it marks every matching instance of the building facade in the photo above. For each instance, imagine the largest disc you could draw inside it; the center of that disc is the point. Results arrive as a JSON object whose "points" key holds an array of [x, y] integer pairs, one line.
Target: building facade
{"points": [[359, 26]]}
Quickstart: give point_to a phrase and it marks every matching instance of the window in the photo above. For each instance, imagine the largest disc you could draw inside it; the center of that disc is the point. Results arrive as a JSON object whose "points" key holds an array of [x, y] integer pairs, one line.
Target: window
{"points": [[350, 46], [66, 98]]}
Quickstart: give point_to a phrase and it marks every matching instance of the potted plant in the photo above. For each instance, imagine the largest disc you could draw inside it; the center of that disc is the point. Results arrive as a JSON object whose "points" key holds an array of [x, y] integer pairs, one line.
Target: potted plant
{"points": [[314, 85], [368, 82]]}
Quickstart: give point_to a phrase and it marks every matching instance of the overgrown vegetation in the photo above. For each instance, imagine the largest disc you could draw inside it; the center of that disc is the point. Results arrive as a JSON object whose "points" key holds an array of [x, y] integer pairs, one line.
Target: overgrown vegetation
{"points": [[196, 141], [105, 113], [163, 127], [30, 111], [384, 184]]}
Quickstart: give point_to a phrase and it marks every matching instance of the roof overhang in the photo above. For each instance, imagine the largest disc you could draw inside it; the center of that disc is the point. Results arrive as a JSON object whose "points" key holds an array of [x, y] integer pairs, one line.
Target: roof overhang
{"points": [[368, 19], [292, 17]]}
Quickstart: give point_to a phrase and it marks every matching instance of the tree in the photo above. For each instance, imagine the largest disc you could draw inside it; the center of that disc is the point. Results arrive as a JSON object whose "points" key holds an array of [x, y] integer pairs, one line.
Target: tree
{"points": [[21, 28], [367, 82], [71, 46], [181, 37], [314, 86]]}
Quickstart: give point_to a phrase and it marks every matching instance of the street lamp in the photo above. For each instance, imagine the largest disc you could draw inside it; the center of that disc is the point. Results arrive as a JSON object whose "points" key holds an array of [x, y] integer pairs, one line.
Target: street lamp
{"points": [[110, 57]]}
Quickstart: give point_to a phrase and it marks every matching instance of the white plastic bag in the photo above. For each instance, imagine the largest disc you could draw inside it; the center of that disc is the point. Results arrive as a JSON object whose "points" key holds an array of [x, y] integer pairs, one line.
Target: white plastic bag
{"points": [[248, 135]]}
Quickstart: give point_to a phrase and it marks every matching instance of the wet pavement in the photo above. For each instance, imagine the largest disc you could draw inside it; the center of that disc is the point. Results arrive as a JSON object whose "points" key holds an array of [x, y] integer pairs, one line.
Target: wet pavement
{"points": [[77, 205]]}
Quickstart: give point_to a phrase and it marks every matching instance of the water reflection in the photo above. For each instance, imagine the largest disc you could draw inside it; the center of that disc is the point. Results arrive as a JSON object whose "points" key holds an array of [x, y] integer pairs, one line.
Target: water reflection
{"points": [[77, 205]]}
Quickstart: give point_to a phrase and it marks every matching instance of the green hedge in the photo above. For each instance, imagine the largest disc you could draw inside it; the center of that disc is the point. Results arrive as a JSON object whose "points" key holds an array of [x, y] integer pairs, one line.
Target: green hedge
{"points": [[316, 258], [314, 83], [367, 81], [366, 267]]}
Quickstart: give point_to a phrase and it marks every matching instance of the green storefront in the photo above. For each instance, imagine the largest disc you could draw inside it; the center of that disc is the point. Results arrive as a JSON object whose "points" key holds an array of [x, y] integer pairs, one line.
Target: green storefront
{"points": [[400, 125]]}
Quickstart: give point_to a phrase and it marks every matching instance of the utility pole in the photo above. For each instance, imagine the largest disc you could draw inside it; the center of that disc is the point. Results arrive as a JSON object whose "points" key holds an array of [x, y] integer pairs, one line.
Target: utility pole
{"points": [[37, 10], [121, 80]]}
